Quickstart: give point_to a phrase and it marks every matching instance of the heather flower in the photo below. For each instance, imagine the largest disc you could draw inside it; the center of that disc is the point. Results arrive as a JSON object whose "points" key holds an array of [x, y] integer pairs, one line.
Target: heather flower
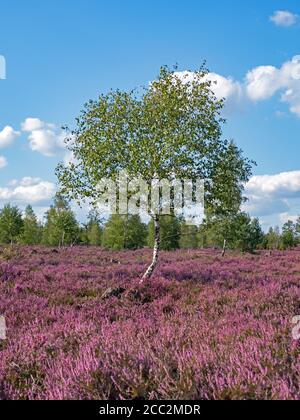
{"points": [[203, 328]]}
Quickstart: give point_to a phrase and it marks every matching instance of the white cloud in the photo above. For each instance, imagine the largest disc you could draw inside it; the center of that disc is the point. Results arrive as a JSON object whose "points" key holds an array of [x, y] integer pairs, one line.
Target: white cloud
{"points": [[28, 190], [7, 136], [228, 88], [260, 84], [32, 124], [274, 198], [3, 162], [44, 138], [285, 217], [282, 185], [284, 18], [46, 141], [265, 81]]}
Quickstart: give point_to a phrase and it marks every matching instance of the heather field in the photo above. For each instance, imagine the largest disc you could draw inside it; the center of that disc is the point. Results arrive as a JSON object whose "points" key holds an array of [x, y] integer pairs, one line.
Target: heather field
{"points": [[205, 327]]}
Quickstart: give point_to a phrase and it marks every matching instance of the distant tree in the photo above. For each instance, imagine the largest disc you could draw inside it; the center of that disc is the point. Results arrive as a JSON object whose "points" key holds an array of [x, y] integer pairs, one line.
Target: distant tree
{"points": [[255, 236], [214, 230], [32, 230], [289, 235], [237, 231], [11, 224], [136, 233], [61, 227], [170, 131], [189, 236], [114, 233], [298, 229], [272, 239], [50, 234], [124, 232], [93, 229]]}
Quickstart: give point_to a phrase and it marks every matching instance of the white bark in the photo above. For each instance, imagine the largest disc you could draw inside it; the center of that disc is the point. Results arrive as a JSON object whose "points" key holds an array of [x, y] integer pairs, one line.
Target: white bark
{"points": [[224, 248], [156, 250]]}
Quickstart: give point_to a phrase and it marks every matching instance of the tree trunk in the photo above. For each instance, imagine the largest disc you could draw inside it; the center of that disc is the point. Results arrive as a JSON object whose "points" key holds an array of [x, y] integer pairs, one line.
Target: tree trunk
{"points": [[224, 248], [156, 250], [62, 242]]}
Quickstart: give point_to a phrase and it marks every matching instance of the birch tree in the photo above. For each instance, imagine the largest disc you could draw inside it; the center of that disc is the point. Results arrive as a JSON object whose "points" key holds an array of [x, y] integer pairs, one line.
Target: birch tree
{"points": [[172, 129]]}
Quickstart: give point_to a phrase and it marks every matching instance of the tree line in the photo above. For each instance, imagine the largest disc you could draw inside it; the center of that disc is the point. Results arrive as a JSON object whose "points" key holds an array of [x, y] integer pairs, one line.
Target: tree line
{"points": [[60, 228]]}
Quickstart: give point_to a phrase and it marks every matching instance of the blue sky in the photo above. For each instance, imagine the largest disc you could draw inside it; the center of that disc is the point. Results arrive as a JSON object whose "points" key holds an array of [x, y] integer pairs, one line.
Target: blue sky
{"points": [[61, 53]]}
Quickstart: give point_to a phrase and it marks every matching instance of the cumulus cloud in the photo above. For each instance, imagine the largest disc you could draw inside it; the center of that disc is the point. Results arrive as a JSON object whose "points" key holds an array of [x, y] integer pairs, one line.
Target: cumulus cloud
{"points": [[260, 84], [28, 190], [3, 162], [43, 137], [273, 197], [32, 124], [282, 185], [265, 81], [284, 18], [225, 87], [8, 136]]}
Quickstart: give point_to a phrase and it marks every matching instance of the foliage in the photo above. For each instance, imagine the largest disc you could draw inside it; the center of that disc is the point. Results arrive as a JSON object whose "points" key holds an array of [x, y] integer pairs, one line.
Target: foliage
{"points": [[11, 224], [32, 230], [289, 235], [239, 230], [124, 232], [272, 239], [61, 227], [170, 227], [189, 236], [92, 231]]}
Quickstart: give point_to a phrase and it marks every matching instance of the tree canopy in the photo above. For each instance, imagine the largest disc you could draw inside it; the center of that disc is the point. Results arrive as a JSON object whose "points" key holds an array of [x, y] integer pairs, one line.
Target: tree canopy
{"points": [[170, 130]]}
